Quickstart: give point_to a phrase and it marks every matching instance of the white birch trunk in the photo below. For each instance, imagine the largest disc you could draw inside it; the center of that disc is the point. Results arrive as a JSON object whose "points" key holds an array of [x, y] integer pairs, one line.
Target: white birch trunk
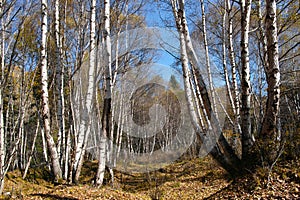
{"points": [[21, 131], [60, 83], [264, 60], [2, 137], [193, 59], [247, 137], [224, 63], [270, 130], [45, 100], [65, 137], [207, 59], [85, 123], [32, 150], [199, 107], [67, 155], [226, 158], [106, 118], [185, 65], [44, 146], [262, 34], [76, 97], [233, 69]]}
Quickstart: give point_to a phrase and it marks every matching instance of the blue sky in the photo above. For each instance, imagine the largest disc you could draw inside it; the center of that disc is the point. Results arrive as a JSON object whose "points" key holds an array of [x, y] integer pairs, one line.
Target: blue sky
{"points": [[153, 14]]}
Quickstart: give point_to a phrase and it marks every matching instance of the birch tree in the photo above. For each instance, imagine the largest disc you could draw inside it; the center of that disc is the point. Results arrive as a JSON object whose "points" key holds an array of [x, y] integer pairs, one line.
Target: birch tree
{"points": [[45, 97], [60, 82], [247, 137], [76, 93], [2, 137], [12, 107], [226, 158], [270, 130], [231, 53], [106, 113], [207, 59], [85, 119]]}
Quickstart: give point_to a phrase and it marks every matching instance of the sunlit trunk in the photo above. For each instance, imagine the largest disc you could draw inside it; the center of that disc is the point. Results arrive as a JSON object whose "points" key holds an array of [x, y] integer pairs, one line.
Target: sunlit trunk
{"points": [[60, 84], [233, 67], [86, 121], [106, 114], [207, 58], [226, 157], [270, 130], [247, 137], [45, 97]]}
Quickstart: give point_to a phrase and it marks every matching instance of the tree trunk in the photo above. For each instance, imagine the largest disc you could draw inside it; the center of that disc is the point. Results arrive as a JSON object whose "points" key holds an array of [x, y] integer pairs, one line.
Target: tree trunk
{"points": [[76, 98], [264, 62], [85, 122], [210, 80], [106, 115], [44, 141], [32, 150], [270, 130], [226, 77], [60, 84], [237, 116], [45, 100], [2, 137], [221, 151], [247, 137], [65, 136]]}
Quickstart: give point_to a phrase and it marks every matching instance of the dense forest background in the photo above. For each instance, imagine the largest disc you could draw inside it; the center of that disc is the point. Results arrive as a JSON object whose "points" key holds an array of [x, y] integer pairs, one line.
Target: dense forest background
{"points": [[77, 79]]}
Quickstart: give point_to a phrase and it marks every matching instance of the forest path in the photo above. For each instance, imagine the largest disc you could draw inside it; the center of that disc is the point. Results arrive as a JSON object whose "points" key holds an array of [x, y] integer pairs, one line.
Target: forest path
{"points": [[185, 179]]}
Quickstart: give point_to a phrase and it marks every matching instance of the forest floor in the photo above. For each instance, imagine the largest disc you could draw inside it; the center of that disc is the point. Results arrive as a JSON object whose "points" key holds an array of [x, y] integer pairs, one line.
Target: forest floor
{"points": [[186, 179]]}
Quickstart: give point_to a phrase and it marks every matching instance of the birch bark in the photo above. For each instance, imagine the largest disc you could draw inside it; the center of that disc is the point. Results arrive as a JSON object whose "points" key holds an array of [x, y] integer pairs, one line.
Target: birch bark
{"points": [[247, 137], [106, 114], [222, 152], [2, 137], [208, 67], [270, 131], [45, 99], [226, 76], [77, 96], [60, 83], [263, 60], [32, 150], [85, 122], [233, 69]]}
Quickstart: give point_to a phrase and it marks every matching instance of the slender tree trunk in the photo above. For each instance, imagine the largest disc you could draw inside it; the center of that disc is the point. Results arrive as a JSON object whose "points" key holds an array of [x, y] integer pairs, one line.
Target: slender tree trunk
{"points": [[32, 150], [264, 61], [199, 106], [221, 151], [262, 34], [65, 137], [67, 155], [76, 98], [60, 83], [21, 131], [233, 69], [85, 123], [44, 144], [226, 76], [45, 99], [106, 115], [2, 136], [247, 137], [270, 130], [208, 67]]}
